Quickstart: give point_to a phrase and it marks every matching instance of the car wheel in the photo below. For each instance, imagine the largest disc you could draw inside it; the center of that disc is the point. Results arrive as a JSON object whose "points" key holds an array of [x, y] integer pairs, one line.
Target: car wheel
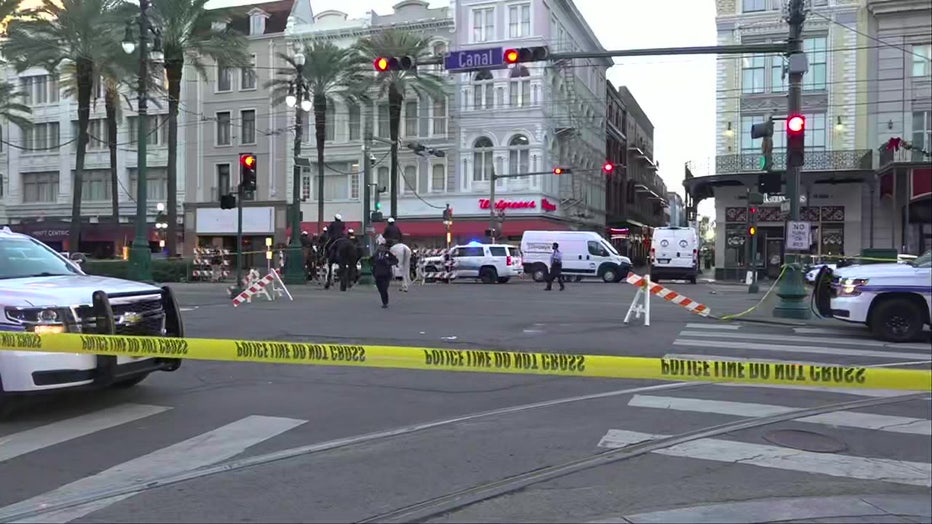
{"points": [[130, 382], [503, 280], [609, 276], [539, 274], [692, 279], [578, 278], [896, 321], [488, 275]]}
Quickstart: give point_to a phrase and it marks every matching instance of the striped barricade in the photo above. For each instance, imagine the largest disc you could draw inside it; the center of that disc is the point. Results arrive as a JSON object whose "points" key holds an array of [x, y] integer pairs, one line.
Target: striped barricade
{"points": [[669, 295]]}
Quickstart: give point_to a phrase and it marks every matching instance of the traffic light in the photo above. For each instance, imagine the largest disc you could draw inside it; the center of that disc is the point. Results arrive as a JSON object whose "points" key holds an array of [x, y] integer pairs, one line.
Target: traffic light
{"points": [[752, 231], [525, 54], [394, 63], [247, 162], [795, 141], [562, 171], [448, 214], [764, 130], [752, 215], [227, 202], [608, 168]]}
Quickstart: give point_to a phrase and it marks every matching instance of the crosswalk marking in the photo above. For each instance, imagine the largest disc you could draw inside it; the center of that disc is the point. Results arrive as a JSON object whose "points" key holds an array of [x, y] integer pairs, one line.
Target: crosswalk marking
{"points": [[915, 426], [728, 358], [831, 331], [704, 325], [203, 450], [835, 465], [17, 444], [817, 340], [860, 392], [799, 349]]}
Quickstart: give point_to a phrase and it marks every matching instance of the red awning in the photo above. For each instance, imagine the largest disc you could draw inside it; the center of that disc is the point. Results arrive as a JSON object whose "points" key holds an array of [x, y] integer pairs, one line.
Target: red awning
{"points": [[511, 227], [921, 184]]}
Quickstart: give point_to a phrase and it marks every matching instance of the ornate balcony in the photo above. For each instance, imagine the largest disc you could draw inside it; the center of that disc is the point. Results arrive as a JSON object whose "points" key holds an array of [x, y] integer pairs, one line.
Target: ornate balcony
{"points": [[905, 156], [852, 160]]}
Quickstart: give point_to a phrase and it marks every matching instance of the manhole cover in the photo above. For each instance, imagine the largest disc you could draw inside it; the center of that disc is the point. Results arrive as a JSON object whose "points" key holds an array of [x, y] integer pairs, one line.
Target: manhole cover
{"points": [[805, 441]]}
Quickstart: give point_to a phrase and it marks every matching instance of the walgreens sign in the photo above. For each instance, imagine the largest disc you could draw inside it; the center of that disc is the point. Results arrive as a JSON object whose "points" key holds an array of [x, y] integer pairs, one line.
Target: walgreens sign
{"points": [[546, 205]]}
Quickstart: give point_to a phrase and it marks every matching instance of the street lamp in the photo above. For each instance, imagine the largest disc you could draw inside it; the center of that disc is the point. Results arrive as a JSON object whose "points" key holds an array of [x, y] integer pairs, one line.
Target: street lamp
{"points": [[140, 255], [299, 98]]}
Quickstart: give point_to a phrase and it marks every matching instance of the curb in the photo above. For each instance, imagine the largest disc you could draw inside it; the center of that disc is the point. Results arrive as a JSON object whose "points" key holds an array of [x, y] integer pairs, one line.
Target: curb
{"points": [[864, 508]]}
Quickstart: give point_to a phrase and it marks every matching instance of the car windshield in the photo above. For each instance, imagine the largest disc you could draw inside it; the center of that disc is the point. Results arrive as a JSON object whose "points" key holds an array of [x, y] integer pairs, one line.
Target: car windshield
{"points": [[611, 248], [22, 257], [924, 261]]}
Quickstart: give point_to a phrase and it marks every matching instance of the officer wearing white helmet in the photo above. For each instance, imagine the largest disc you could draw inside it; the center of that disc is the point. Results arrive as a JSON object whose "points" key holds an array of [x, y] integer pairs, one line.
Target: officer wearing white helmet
{"points": [[337, 227], [392, 234]]}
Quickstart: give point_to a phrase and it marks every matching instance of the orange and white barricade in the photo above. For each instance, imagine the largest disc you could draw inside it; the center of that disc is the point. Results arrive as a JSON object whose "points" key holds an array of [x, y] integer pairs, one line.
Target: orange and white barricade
{"points": [[261, 286], [641, 302]]}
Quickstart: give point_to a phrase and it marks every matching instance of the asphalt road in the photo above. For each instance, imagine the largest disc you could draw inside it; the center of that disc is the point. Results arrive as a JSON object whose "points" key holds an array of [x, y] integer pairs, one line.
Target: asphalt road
{"points": [[75, 453]]}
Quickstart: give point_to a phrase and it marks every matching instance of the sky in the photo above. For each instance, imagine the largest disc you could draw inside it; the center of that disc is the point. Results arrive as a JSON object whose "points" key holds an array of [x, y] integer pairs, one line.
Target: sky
{"points": [[676, 93]]}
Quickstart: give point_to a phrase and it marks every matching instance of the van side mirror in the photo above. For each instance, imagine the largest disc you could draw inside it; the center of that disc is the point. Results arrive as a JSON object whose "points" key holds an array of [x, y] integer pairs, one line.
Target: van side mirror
{"points": [[78, 258]]}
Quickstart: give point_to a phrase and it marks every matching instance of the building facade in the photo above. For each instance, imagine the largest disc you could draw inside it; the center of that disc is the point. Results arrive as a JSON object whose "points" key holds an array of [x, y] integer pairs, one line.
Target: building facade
{"points": [[235, 113], [676, 209], [838, 165], [633, 190], [899, 203], [37, 166]]}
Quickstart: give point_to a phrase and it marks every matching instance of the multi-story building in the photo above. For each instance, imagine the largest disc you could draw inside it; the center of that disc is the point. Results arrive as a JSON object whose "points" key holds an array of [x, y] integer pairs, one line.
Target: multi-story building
{"points": [[633, 192], [838, 165], [676, 209], [235, 115], [899, 205], [425, 184], [38, 164], [531, 118]]}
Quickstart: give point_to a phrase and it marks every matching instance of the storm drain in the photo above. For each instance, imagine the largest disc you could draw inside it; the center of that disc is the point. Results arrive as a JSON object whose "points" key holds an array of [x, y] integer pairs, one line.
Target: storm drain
{"points": [[805, 441]]}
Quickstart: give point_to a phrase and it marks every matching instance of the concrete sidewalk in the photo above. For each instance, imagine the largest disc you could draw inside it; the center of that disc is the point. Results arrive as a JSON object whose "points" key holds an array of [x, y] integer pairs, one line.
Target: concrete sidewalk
{"points": [[866, 508]]}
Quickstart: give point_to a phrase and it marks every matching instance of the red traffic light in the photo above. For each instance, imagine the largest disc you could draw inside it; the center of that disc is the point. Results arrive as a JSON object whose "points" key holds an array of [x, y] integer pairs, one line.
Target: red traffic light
{"points": [[559, 170], [512, 56], [796, 124], [381, 64], [753, 210], [608, 167], [247, 161]]}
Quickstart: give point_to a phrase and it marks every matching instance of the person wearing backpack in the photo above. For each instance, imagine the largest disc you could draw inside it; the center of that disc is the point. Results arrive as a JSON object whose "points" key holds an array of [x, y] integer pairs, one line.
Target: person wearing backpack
{"points": [[382, 263]]}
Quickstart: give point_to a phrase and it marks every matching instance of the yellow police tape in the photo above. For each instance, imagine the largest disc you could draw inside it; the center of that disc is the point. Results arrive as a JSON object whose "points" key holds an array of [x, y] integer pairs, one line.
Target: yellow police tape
{"points": [[473, 360]]}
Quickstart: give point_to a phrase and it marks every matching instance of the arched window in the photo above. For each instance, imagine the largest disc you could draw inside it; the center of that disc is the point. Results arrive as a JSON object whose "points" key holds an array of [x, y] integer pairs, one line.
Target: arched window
{"points": [[519, 155], [331, 120], [482, 160], [410, 180], [483, 90], [519, 87], [354, 121]]}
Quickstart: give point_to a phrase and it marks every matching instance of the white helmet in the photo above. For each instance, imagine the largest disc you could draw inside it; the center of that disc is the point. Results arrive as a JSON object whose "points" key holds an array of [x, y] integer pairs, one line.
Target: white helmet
{"points": [[350, 231], [391, 220], [338, 217]]}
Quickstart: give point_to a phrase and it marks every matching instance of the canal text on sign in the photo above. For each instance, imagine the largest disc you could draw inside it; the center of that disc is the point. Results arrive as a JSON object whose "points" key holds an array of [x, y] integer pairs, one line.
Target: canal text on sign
{"points": [[474, 59]]}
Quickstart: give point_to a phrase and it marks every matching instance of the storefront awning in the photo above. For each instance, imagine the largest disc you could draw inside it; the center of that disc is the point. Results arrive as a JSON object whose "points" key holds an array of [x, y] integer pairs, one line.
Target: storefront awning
{"points": [[511, 227]]}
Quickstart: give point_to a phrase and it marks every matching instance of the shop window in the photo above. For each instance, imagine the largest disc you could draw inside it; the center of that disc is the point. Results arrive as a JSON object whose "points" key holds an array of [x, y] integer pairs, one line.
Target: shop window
{"points": [[735, 237]]}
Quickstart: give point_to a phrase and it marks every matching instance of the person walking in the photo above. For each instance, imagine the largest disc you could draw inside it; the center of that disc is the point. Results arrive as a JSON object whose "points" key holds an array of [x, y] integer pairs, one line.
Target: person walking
{"points": [[556, 268], [382, 263]]}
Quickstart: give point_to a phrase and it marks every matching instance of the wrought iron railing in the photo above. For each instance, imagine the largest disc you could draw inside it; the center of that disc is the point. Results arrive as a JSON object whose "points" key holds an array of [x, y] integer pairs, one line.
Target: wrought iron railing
{"points": [[851, 160], [888, 156]]}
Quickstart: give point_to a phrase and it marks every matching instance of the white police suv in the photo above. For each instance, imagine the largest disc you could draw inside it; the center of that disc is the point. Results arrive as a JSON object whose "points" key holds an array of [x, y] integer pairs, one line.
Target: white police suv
{"points": [[43, 292]]}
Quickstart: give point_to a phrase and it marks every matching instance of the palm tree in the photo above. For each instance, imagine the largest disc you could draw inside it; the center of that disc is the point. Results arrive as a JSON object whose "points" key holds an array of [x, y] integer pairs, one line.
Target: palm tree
{"points": [[81, 32], [188, 35], [11, 109], [398, 43], [328, 71]]}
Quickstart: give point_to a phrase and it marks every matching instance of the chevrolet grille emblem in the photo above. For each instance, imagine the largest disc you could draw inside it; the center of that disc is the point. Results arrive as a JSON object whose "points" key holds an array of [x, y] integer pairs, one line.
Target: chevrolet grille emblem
{"points": [[130, 318]]}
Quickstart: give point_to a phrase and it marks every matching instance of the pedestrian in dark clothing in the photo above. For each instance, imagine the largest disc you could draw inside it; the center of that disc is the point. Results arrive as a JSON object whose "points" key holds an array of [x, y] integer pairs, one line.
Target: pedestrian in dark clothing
{"points": [[556, 268], [382, 263]]}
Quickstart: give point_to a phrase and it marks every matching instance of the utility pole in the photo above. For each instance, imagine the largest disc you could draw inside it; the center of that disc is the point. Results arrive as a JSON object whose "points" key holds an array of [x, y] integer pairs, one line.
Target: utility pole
{"points": [[792, 290], [298, 98], [492, 217], [365, 274]]}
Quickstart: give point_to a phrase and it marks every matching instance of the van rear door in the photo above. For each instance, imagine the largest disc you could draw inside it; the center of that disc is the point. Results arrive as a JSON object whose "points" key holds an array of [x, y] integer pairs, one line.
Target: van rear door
{"points": [[675, 248]]}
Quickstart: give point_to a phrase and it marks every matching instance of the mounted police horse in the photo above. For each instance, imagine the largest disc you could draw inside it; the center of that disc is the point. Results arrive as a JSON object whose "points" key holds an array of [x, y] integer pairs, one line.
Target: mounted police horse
{"points": [[345, 254], [403, 254]]}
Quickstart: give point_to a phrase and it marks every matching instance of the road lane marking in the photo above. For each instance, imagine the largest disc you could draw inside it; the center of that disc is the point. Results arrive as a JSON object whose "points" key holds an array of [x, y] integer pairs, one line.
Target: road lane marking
{"points": [[799, 349], [815, 340], [850, 419], [17, 444], [846, 391], [835, 465], [725, 327], [203, 450]]}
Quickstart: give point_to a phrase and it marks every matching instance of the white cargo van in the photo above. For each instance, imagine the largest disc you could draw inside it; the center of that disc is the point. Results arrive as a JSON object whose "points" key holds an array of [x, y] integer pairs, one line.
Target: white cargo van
{"points": [[674, 254], [585, 254]]}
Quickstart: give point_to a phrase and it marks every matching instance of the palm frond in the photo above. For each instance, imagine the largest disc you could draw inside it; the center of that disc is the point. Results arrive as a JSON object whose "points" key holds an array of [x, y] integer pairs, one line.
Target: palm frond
{"points": [[12, 110], [400, 42], [189, 36], [329, 71]]}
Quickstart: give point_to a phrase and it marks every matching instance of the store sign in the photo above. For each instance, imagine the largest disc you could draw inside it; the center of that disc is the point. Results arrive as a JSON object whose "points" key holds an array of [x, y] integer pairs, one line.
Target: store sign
{"points": [[546, 205], [484, 203]]}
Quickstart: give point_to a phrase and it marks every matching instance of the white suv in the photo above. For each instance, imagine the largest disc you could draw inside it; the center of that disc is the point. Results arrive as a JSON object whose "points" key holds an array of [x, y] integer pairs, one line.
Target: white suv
{"points": [[489, 263]]}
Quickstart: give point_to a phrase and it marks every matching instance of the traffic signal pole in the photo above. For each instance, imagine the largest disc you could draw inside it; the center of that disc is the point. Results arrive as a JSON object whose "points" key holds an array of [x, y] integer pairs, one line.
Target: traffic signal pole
{"points": [[792, 290]]}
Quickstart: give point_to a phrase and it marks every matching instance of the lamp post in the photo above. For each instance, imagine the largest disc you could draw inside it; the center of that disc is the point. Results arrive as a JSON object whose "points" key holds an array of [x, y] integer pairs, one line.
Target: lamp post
{"points": [[140, 254], [298, 98]]}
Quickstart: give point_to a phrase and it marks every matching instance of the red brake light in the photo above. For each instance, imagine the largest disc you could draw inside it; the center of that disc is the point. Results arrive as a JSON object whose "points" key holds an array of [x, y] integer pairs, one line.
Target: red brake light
{"points": [[508, 260]]}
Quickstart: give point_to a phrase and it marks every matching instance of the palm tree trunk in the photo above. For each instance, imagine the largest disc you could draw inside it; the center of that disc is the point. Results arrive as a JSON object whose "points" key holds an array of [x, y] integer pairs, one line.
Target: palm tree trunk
{"points": [[320, 134], [110, 101], [173, 70], [85, 76], [395, 99]]}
